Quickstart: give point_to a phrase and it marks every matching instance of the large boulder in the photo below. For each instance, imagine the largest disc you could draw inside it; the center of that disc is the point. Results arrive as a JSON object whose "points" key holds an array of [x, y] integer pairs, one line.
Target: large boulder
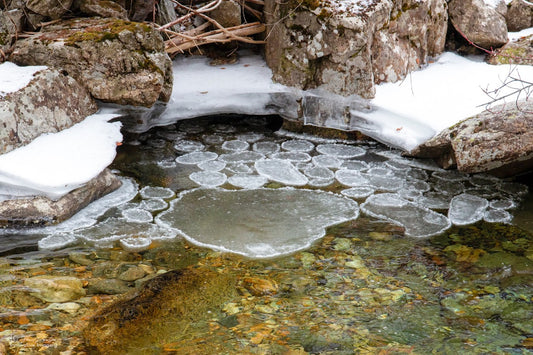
{"points": [[118, 61], [40, 210], [346, 49], [479, 22], [516, 52], [11, 22], [499, 141], [49, 102], [519, 15]]}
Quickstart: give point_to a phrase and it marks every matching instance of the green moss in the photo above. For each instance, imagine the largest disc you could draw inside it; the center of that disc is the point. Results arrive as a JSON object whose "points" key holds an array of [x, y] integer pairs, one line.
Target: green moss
{"points": [[105, 31], [511, 55]]}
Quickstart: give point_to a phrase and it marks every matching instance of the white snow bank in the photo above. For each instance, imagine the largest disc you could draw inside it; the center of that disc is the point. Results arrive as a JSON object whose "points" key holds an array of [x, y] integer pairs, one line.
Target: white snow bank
{"points": [[54, 164], [513, 36], [409, 112], [201, 89], [14, 78]]}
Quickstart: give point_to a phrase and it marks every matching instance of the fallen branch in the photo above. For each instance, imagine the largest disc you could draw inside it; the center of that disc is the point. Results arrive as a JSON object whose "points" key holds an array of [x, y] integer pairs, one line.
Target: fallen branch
{"points": [[181, 43]]}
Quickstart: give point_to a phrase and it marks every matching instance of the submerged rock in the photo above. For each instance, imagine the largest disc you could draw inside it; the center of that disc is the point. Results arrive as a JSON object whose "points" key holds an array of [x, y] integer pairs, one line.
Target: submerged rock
{"points": [[118, 61], [499, 141], [177, 297], [49, 103], [56, 288]]}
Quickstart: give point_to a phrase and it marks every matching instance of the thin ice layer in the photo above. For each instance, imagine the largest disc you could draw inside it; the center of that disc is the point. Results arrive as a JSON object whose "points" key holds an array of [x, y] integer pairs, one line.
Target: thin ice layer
{"points": [[256, 223], [467, 209], [56, 163], [280, 171], [417, 221]]}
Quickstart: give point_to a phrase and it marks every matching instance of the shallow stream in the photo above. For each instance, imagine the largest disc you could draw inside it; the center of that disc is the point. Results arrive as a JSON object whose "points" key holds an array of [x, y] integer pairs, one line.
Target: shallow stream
{"points": [[298, 244]]}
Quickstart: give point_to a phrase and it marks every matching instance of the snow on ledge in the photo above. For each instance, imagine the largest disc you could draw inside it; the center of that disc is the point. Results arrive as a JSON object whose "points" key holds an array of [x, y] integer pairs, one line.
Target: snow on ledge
{"points": [[14, 78], [56, 163]]}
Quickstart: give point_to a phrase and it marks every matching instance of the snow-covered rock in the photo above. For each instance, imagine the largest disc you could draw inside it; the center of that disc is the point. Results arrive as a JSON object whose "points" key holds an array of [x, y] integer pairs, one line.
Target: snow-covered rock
{"points": [[499, 141], [56, 163], [40, 210], [36, 100]]}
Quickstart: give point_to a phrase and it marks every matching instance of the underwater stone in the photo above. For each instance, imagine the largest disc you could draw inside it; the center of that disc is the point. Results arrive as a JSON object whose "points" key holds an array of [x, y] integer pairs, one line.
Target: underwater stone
{"points": [[254, 223]]}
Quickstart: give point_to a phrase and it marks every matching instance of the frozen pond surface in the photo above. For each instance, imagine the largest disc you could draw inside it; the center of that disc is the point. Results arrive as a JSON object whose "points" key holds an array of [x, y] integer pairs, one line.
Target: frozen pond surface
{"points": [[226, 181]]}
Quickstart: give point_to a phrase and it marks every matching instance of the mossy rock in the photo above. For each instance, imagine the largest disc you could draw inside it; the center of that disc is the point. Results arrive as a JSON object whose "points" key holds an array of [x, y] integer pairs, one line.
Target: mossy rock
{"points": [[159, 312]]}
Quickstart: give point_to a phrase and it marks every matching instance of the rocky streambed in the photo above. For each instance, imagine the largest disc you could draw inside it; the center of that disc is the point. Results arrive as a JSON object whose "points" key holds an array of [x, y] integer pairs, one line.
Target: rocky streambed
{"points": [[366, 284]]}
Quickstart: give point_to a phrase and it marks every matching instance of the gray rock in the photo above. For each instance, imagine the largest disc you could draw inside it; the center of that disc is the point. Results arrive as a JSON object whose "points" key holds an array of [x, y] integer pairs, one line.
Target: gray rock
{"points": [[80, 258], [347, 51], [519, 15], [50, 103], [11, 23], [107, 286], [228, 13], [55, 288], [478, 22], [499, 141], [132, 273], [516, 52], [103, 8], [43, 211], [49, 8], [118, 61]]}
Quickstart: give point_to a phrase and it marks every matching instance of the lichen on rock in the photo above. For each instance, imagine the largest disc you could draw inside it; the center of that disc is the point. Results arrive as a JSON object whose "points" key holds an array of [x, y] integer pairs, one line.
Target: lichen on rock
{"points": [[118, 61], [348, 48]]}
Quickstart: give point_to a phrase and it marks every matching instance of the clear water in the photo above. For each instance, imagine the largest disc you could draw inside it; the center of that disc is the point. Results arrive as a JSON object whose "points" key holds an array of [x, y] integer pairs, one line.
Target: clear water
{"points": [[395, 271]]}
